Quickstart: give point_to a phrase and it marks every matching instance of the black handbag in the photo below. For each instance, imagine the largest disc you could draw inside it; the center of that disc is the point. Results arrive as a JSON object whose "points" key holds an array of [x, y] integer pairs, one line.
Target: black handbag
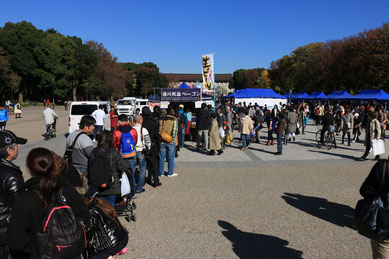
{"points": [[371, 218]]}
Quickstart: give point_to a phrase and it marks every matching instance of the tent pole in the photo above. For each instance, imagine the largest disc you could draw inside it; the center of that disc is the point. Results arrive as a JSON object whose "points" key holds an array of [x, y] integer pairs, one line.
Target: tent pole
{"points": [[214, 97]]}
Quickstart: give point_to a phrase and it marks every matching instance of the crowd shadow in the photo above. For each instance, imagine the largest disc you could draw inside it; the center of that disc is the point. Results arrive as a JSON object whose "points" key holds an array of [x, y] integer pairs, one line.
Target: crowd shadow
{"points": [[262, 150], [302, 143], [252, 245], [333, 154], [335, 213], [194, 149]]}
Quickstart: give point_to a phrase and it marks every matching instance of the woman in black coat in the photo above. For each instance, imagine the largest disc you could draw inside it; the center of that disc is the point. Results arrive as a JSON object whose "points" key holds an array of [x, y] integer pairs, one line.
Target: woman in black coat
{"points": [[377, 184], [106, 235], [29, 209]]}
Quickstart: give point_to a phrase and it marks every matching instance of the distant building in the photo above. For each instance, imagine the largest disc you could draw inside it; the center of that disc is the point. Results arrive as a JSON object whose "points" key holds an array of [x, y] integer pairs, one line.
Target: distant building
{"points": [[222, 81]]}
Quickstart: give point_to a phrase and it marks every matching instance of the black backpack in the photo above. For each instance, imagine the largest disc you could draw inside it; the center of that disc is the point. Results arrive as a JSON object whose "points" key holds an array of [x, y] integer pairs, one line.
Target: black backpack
{"points": [[69, 151], [99, 169], [61, 236]]}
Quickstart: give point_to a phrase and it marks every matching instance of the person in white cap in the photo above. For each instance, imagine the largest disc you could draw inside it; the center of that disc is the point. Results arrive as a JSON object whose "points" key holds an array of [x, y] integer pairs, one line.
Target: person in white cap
{"points": [[357, 127]]}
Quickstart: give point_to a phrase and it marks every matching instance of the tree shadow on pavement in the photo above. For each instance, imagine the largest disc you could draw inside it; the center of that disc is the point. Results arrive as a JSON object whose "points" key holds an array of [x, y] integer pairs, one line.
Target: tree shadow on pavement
{"points": [[333, 154], [251, 245], [335, 213]]}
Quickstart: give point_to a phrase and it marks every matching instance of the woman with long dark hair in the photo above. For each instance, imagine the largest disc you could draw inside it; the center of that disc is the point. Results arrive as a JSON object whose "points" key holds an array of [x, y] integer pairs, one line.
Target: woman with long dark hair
{"points": [[31, 206], [106, 235]]}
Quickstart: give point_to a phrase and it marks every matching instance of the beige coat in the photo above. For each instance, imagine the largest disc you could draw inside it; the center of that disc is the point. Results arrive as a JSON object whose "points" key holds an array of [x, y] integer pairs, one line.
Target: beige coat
{"points": [[321, 110], [16, 110], [214, 139], [246, 125]]}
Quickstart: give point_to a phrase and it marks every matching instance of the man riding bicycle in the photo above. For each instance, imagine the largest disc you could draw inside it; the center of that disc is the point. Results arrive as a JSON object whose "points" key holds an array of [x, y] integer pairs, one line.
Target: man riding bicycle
{"points": [[50, 118], [328, 120]]}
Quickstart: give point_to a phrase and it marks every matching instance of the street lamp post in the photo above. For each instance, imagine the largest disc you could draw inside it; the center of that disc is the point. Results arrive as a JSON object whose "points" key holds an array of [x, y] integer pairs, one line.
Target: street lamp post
{"points": [[52, 87]]}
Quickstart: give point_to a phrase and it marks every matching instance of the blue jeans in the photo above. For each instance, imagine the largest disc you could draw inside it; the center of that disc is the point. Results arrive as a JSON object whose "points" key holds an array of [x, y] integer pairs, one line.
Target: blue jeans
{"points": [[279, 143], [166, 149], [303, 126], [183, 137], [98, 130], [141, 161], [245, 140], [128, 164], [110, 198]]}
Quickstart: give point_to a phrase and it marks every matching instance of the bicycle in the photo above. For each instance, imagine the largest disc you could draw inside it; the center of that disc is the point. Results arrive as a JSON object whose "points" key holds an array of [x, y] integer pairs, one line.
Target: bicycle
{"points": [[329, 138], [51, 132], [318, 134]]}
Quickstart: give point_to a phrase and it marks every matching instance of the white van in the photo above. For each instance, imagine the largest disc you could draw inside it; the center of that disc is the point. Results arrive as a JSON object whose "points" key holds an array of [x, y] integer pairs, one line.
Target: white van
{"points": [[140, 103], [79, 109], [126, 106]]}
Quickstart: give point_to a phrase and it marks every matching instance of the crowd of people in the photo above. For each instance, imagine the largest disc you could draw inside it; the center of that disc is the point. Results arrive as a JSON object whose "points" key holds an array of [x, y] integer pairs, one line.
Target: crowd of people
{"points": [[286, 121], [78, 181], [86, 179]]}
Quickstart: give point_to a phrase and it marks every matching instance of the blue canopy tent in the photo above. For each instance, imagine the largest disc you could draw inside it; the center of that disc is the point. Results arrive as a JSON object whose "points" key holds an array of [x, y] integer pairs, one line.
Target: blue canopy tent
{"points": [[339, 95], [257, 93], [317, 96], [372, 95], [259, 96], [287, 95], [183, 85], [299, 97]]}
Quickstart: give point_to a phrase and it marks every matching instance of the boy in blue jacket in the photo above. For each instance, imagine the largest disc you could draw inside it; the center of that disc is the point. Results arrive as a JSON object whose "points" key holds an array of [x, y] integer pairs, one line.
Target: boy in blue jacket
{"points": [[3, 117]]}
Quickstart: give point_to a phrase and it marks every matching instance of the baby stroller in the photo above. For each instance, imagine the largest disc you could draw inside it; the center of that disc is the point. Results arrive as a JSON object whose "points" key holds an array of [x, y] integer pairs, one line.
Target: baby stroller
{"points": [[125, 205]]}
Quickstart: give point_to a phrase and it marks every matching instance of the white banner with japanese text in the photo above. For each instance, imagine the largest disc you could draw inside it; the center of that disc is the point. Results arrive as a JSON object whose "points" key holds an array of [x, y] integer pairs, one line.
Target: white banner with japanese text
{"points": [[208, 72]]}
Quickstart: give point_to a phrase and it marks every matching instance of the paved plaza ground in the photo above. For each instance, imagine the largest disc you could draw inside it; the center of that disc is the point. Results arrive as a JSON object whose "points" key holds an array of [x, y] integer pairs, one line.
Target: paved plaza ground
{"points": [[249, 204]]}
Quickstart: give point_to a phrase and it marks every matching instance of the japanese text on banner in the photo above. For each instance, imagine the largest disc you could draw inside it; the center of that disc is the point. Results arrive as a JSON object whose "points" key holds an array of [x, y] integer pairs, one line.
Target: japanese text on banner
{"points": [[208, 73]]}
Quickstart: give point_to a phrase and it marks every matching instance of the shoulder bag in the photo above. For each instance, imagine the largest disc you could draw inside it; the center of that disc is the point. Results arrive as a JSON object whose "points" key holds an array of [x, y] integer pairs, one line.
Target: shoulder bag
{"points": [[69, 151], [371, 218], [165, 136]]}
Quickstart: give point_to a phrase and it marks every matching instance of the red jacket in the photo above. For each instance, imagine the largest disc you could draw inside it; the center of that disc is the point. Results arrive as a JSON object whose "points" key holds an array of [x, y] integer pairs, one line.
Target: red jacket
{"points": [[117, 134], [114, 121]]}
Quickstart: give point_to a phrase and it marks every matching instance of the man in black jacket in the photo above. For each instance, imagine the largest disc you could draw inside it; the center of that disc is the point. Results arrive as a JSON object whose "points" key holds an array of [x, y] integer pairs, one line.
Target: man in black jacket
{"points": [[258, 120], [152, 126], [202, 125], [12, 182], [275, 112], [328, 121]]}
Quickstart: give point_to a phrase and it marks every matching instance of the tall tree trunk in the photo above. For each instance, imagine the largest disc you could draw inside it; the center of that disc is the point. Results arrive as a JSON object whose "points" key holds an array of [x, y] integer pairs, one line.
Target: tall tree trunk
{"points": [[20, 97], [75, 90]]}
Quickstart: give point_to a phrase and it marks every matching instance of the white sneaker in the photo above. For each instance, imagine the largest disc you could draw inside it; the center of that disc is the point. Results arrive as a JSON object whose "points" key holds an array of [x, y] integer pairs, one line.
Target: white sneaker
{"points": [[172, 175], [94, 140]]}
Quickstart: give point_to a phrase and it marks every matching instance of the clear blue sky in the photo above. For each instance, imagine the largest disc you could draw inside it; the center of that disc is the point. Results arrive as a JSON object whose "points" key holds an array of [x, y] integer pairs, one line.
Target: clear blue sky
{"points": [[174, 34]]}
